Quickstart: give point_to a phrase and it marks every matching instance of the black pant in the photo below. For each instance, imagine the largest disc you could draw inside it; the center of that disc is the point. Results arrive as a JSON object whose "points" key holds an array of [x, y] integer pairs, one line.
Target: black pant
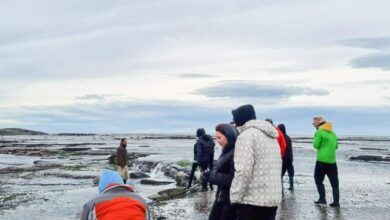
{"points": [[329, 170], [194, 167], [249, 212], [323, 169], [288, 166], [223, 211]]}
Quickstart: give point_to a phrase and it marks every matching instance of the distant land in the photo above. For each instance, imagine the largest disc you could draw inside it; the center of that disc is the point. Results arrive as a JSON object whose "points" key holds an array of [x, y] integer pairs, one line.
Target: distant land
{"points": [[19, 131]]}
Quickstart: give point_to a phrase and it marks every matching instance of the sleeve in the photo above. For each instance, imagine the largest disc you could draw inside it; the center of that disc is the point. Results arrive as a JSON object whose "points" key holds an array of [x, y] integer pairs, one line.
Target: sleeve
{"points": [[221, 179], [282, 144], [317, 140], [195, 152], [243, 162], [199, 149], [85, 213]]}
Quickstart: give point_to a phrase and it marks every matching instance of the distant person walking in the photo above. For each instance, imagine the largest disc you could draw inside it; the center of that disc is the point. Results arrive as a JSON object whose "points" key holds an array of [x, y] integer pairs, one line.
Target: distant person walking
{"points": [[223, 173], [116, 201], [287, 164], [256, 188], [123, 157], [203, 152], [326, 143]]}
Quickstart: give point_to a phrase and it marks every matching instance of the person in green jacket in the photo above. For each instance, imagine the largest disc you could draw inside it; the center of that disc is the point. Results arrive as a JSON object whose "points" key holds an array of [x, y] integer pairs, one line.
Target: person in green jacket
{"points": [[326, 143]]}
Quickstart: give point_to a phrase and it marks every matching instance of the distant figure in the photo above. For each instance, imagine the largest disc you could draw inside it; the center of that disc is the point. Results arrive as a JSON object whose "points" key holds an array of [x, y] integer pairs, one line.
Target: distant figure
{"points": [[326, 143], [223, 173], [281, 140], [123, 157], [116, 201], [256, 188], [205, 151], [288, 158]]}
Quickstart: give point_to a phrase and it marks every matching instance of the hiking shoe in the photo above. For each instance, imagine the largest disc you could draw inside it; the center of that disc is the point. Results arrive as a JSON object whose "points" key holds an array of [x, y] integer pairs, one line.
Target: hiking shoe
{"points": [[320, 202], [335, 205]]}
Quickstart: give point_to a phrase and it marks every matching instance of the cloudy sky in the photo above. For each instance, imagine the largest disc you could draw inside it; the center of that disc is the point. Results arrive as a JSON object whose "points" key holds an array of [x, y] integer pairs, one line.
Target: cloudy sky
{"points": [[173, 66]]}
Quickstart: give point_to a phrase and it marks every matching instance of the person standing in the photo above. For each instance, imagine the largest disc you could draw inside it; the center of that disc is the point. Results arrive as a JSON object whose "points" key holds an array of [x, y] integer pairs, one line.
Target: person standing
{"points": [[287, 164], [326, 143], [223, 173], [281, 139], [123, 157], [256, 188], [204, 150]]}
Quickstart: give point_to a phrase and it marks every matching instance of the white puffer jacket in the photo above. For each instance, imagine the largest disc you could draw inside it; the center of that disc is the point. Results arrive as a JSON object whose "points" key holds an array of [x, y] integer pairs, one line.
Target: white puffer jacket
{"points": [[257, 180]]}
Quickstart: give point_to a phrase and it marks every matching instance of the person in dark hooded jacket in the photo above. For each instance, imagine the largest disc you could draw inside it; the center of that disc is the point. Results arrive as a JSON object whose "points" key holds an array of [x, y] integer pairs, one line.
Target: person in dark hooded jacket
{"points": [[287, 164], [223, 173]]}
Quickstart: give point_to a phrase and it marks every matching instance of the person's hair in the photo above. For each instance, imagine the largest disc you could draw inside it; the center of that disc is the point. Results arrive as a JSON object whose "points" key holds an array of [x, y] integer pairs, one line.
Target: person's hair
{"points": [[123, 141], [220, 129]]}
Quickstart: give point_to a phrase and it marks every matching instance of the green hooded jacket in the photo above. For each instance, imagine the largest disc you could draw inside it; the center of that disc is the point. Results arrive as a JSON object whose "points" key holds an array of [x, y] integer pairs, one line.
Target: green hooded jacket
{"points": [[325, 141]]}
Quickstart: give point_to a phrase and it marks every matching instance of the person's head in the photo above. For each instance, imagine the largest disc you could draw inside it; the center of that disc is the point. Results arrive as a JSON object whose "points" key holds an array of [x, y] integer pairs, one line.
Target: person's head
{"points": [[226, 134], [270, 121], [318, 121], [108, 178], [243, 114], [200, 132], [282, 128], [123, 142]]}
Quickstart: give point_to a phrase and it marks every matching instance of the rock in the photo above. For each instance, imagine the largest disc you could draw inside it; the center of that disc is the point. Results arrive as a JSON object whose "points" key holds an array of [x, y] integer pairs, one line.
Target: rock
{"points": [[169, 194], [367, 158], [144, 146], [42, 163], [96, 181], [73, 149], [155, 182], [182, 179], [138, 175]]}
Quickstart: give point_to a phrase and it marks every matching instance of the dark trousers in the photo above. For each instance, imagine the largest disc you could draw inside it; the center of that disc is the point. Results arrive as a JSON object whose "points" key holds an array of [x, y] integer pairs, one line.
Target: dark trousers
{"points": [[250, 212], [223, 211], [287, 165], [193, 169], [329, 170]]}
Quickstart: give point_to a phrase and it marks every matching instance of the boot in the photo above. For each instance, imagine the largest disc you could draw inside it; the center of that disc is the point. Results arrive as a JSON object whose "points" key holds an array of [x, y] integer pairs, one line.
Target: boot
{"points": [[336, 197], [124, 181], [321, 193], [291, 183]]}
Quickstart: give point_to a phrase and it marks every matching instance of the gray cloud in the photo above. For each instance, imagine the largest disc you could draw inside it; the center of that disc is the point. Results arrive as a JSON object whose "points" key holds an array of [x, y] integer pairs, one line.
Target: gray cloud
{"points": [[96, 96], [378, 43], [122, 117], [377, 60], [245, 89], [194, 75]]}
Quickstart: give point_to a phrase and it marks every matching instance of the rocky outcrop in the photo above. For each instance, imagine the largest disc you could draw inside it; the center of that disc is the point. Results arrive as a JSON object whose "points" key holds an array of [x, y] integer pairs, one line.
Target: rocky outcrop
{"points": [[155, 182], [19, 131], [371, 158], [169, 194], [138, 175]]}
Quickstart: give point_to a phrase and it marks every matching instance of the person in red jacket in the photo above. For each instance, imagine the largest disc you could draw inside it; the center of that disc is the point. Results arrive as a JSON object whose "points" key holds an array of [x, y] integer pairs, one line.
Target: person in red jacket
{"points": [[281, 140], [116, 201]]}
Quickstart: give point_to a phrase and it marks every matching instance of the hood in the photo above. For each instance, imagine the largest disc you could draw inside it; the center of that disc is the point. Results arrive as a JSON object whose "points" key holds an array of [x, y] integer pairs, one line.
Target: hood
{"points": [[230, 133], [206, 137], [266, 127], [327, 126], [108, 178], [282, 128]]}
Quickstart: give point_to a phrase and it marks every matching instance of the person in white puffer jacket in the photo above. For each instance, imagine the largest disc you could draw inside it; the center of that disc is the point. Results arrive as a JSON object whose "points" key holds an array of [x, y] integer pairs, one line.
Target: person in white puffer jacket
{"points": [[256, 189]]}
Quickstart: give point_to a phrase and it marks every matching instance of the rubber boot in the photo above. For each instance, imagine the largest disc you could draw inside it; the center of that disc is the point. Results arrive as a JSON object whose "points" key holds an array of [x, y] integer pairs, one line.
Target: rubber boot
{"points": [[336, 197], [321, 193], [291, 183]]}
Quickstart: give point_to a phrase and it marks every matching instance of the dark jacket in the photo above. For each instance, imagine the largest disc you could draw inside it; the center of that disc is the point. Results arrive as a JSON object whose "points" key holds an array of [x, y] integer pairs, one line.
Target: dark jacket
{"points": [[288, 155], [223, 173], [204, 148], [121, 152]]}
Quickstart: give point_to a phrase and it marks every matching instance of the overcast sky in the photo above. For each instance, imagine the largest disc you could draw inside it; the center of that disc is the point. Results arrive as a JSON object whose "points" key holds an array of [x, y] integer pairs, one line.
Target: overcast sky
{"points": [[173, 66]]}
